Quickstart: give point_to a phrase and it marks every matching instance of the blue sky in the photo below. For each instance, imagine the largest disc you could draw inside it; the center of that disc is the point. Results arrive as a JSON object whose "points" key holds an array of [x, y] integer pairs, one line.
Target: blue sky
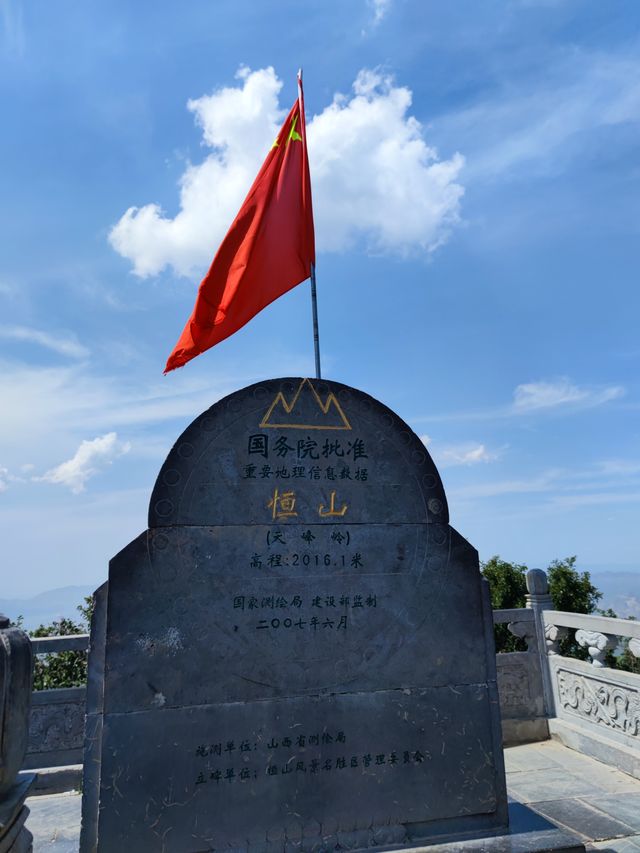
{"points": [[476, 182]]}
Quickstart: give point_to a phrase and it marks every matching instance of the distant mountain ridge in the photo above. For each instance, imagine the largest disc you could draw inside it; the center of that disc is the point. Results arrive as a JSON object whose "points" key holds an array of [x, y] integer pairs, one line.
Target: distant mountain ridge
{"points": [[44, 608], [620, 591]]}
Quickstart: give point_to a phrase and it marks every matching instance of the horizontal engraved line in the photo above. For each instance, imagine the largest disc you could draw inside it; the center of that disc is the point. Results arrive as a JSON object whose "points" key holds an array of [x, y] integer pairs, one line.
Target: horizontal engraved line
{"points": [[413, 691]]}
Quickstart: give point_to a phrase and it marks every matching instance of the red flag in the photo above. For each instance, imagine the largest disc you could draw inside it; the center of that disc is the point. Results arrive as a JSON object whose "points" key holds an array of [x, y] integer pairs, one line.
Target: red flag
{"points": [[268, 250]]}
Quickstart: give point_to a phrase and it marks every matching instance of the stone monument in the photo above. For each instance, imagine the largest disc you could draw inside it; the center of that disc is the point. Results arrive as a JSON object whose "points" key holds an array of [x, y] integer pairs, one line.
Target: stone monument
{"points": [[16, 673], [298, 653]]}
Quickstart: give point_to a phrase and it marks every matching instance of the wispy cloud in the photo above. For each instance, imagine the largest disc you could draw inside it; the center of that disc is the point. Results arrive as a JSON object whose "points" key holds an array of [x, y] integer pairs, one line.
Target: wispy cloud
{"points": [[379, 9], [551, 394], [540, 397], [66, 345], [73, 398], [539, 483], [599, 498], [13, 33], [89, 459], [7, 478], [600, 483], [620, 467], [376, 180], [467, 453], [537, 123]]}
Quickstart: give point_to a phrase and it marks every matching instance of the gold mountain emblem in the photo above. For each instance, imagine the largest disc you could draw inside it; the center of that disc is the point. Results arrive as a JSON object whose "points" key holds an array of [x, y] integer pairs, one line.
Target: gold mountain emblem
{"points": [[295, 415]]}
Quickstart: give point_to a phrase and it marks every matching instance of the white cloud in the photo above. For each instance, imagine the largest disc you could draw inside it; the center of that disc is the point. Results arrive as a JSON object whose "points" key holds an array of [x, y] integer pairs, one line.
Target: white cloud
{"points": [[374, 177], [620, 467], [541, 397], [6, 477], [66, 345], [538, 123], [11, 16], [595, 499], [547, 394], [88, 460], [464, 454], [379, 9], [71, 397], [540, 483]]}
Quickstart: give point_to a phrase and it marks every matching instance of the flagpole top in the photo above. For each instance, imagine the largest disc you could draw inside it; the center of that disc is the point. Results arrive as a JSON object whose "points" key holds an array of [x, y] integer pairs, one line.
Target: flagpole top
{"points": [[299, 75]]}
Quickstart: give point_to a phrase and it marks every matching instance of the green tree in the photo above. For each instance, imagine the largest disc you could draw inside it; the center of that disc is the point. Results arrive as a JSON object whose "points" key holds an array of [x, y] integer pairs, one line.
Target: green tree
{"points": [[62, 669], [627, 660], [570, 589], [573, 592], [86, 610], [508, 588], [59, 669]]}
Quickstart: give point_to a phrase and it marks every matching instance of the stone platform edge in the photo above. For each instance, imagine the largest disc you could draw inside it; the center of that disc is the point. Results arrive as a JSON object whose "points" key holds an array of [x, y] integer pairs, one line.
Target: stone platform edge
{"points": [[55, 780], [597, 746]]}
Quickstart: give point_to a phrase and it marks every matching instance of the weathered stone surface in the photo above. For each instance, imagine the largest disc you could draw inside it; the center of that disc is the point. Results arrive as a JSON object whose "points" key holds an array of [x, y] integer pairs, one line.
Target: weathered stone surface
{"points": [[14, 836], [13, 800], [298, 653], [17, 839], [586, 820], [16, 666], [56, 728], [54, 821]]}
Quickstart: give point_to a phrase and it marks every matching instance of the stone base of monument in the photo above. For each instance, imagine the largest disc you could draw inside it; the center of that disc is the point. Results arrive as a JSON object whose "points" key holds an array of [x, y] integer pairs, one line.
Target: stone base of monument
{"points": [[14, 836], [528, 832]]}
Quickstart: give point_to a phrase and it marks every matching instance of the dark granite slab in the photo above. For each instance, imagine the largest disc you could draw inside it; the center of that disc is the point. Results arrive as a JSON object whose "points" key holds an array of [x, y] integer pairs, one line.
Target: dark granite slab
{"points": [[623, 807], [587, 820], [306, 765], [14, 798], [17, 838], [298, 653]]}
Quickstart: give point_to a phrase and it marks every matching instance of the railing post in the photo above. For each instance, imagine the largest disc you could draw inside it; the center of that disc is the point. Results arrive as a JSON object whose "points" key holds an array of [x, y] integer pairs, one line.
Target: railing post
{"points": [[539, 600], [16, 679]]}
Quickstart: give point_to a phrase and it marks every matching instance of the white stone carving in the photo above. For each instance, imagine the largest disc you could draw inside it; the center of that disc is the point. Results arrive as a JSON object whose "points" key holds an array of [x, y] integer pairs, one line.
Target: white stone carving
{"points": [[553, 634], [610, 705], [634, 647], [597, 643], [524, 630]]}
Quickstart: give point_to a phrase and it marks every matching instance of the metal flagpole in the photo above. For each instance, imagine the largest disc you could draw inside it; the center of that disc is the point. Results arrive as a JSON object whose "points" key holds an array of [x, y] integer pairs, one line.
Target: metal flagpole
{"points": [[314, 307], [314, 296]]}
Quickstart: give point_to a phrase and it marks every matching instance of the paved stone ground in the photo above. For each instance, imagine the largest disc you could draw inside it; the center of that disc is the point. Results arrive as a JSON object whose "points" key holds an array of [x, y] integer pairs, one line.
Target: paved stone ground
{"points": [[599, 804]]}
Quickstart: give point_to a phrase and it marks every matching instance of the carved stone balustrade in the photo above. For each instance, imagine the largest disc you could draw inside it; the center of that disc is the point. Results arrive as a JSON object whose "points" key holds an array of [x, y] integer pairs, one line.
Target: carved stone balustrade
{"points": [[520, 680], [597, 708], [526, 631], [553, 635], [597, 644]]}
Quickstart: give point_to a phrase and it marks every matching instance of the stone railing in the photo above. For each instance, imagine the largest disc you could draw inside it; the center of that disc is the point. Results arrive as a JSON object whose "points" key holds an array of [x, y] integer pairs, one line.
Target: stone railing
{"points": [[56, 729], [520, 689], [596, 709]]}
